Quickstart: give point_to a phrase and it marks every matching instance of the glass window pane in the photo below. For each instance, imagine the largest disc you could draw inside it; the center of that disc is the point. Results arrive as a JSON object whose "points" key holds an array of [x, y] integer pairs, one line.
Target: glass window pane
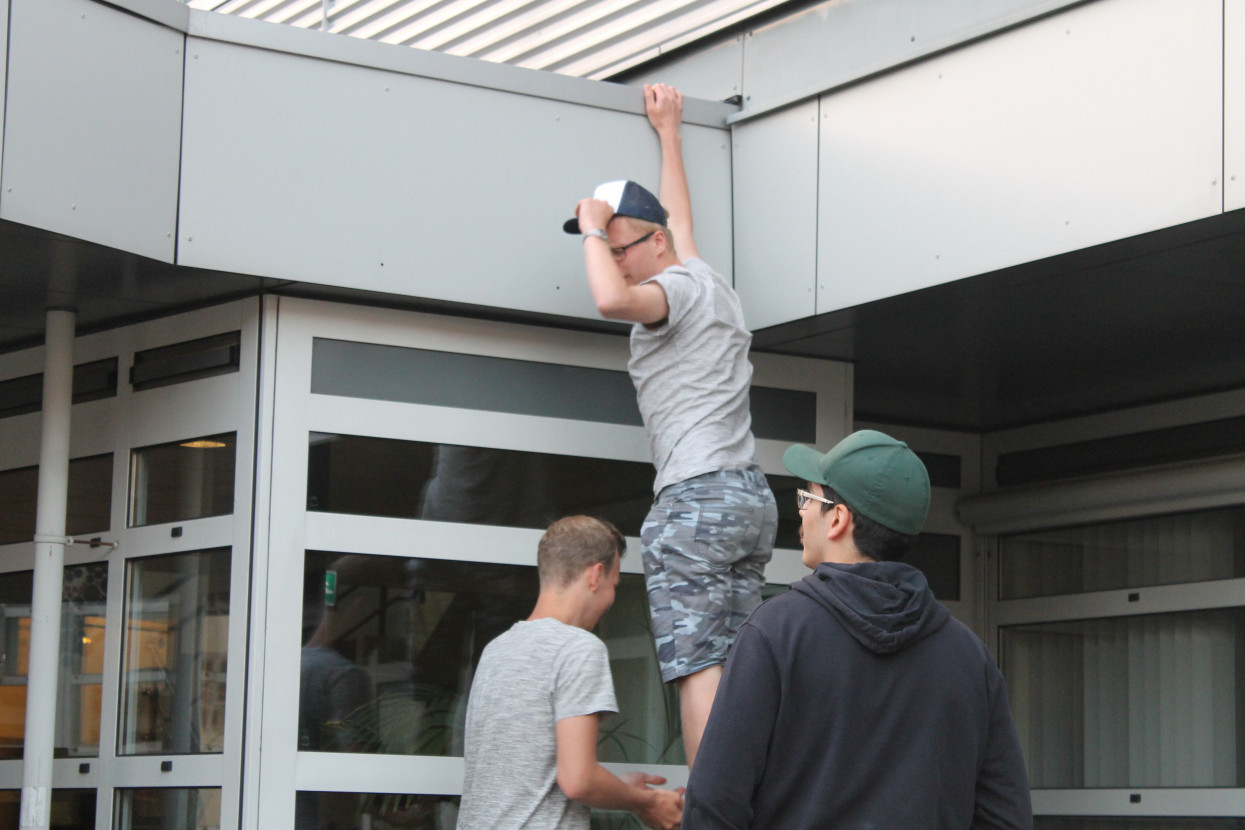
{"points": [[79, 680], [378, 811], [89, 506], [445, 482], [174, 652], [168, 808], [1135, 553], [937, 555], [71, 809], [390, 646], [183, 480], [1145, 701]]}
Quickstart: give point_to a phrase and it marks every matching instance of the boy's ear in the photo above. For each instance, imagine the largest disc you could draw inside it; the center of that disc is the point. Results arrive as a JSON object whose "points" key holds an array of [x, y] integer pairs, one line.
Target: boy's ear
{"points": [[841, 524]]}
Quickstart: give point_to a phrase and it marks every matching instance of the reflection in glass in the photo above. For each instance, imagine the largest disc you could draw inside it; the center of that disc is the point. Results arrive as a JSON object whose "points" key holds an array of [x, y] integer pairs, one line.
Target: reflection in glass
{"points": [[83, 599], [390, 646], [1143, 701], [168, 808], [183, 480], [1135, 553], [647, 728], [71, 809], [176, 638], [378, 811], [89, 507], [451, 483]]}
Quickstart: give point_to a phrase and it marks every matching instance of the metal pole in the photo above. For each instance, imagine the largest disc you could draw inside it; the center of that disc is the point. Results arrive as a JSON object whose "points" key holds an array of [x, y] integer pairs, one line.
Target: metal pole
{"points": [[45, 606]]}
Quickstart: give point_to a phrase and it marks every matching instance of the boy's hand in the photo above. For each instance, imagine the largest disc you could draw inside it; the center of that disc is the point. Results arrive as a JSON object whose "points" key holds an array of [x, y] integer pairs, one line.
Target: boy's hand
{"points": [[665, 810], [664, 105], [593, 214]]}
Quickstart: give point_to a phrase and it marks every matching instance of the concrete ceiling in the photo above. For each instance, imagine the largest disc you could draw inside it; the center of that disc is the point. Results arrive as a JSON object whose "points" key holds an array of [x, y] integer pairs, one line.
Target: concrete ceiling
{"points": [[1137, 321]]}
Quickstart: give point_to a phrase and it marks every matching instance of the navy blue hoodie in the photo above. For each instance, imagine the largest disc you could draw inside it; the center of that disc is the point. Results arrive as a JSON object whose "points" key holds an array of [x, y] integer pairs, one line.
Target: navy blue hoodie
{"points": [[856, 701]]}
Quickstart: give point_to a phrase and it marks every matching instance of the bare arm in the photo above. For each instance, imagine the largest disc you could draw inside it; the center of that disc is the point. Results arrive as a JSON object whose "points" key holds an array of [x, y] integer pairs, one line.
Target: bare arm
{"points": [[616, 298], [584, 780], [664, 105]]}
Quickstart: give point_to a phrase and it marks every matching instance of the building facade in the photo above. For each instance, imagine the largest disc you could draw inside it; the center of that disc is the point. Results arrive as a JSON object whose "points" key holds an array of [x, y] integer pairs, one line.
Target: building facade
{"points": [[335, 367]]}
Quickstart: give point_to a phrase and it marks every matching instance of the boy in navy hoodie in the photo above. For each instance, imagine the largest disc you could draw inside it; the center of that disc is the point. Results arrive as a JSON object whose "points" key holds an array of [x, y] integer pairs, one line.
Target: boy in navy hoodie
{"points": [[855, 700]]}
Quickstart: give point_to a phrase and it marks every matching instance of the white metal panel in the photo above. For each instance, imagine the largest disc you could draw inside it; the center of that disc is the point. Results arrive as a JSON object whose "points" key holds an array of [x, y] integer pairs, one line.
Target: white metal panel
{"points": [[1234, 104], [1182, 801], [1088, 126], [775, 166], [716, 73], [93, 124], [340, 175], [1091, 125], [4, 73], [840, 41]]}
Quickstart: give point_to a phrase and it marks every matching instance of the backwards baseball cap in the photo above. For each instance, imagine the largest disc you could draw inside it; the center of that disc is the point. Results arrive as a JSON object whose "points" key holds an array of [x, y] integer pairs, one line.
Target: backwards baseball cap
{"points": [[627, 199], [877, 475]]}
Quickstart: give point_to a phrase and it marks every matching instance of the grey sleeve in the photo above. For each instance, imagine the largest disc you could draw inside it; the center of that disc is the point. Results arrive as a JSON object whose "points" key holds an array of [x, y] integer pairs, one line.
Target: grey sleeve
{"points": [[583, 684]]}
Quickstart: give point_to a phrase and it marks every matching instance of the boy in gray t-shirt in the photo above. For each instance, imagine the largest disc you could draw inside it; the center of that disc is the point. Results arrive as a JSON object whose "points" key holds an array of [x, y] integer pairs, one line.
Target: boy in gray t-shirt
{"points": [[711, 529], [538, 697]]}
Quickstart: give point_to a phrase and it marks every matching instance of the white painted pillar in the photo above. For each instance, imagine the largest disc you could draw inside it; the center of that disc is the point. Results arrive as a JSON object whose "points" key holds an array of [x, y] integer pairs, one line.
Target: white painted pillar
{"points": [[45, 606]]}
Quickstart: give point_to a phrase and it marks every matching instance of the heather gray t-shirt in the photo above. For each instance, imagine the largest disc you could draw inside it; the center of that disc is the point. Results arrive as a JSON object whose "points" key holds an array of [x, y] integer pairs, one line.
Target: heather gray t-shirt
{"points": [[529, 678], [691, 376]]}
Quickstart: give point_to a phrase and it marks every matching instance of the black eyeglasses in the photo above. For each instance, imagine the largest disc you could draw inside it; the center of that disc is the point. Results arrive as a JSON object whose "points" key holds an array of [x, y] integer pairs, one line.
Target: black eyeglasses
{"points": [[619, 253], [803, 497]]}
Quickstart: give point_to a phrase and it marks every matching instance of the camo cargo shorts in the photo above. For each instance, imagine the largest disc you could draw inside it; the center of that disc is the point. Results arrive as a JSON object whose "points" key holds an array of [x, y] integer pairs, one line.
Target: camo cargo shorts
{"points": [[705, 545]]}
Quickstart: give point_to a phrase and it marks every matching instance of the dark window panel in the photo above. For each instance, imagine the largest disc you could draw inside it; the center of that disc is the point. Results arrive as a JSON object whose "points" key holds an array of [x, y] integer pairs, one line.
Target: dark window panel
{"points": [[191, 360], [89, 507], [182, 480], [91, 382]]}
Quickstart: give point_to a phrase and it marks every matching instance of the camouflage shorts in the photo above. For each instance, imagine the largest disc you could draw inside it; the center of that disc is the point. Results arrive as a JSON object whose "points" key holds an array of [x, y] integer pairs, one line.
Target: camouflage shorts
{"points": [[705, 544]]}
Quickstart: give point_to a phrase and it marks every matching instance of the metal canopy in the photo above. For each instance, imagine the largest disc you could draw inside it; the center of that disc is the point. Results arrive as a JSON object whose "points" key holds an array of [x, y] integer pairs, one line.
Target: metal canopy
{"points": [[1151, 318], [583, 38]]}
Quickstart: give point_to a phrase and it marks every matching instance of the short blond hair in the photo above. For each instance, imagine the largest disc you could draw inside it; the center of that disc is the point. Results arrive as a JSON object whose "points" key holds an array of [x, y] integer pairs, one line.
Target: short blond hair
{"points": [[572, 545]]}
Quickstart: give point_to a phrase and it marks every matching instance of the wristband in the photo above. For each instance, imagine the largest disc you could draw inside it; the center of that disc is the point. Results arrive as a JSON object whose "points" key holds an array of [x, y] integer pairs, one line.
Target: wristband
{"points": [[599, 233]]}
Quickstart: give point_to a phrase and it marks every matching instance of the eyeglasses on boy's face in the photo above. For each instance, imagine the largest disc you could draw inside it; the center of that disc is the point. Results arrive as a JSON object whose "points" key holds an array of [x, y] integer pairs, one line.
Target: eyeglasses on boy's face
{"points": [[619, 253], [803, 497]]}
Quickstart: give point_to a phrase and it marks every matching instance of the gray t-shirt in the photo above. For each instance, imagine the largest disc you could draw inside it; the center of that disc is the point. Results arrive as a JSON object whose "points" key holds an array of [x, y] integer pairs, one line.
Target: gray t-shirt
{"points": [[691, 376], [529, 678]]}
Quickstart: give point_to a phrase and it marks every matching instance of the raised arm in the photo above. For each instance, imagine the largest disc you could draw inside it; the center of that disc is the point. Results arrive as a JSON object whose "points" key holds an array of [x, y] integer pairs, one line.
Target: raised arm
{"points": [[584, 780], [664, 105]]}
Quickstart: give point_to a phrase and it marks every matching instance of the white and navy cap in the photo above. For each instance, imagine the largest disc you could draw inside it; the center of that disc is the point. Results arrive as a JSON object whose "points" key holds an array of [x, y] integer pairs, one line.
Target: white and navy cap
{"points": [[627, 199]]}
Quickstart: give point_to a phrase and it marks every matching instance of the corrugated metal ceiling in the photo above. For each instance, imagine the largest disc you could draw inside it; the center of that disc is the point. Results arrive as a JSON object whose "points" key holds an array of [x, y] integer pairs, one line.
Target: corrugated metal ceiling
{"points": [[584, 38]]}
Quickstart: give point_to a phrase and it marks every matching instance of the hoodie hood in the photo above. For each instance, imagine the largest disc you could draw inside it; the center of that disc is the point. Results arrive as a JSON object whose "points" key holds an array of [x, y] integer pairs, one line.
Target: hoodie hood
{"points": [[886, 606]]}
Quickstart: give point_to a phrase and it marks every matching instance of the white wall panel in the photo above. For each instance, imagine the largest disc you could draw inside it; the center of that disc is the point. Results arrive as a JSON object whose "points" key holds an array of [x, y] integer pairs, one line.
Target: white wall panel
{"points": [[4, 71], [775, 165], [92, 124], [342, 175], [1091, 125], [1234, 104], [839, 41], [715, 73]]}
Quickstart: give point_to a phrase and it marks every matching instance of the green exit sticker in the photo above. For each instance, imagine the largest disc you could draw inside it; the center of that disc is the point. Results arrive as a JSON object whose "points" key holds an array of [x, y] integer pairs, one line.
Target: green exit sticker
{"points": [[330, 588]]}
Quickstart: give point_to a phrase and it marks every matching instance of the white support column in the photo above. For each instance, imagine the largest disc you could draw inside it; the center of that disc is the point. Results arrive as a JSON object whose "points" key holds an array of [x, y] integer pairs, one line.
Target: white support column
{"points": [[45, 607]]}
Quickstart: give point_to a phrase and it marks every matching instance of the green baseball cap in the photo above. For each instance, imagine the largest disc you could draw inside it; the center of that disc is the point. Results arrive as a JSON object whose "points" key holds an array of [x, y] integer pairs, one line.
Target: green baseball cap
{"points": [[877, 475]]}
